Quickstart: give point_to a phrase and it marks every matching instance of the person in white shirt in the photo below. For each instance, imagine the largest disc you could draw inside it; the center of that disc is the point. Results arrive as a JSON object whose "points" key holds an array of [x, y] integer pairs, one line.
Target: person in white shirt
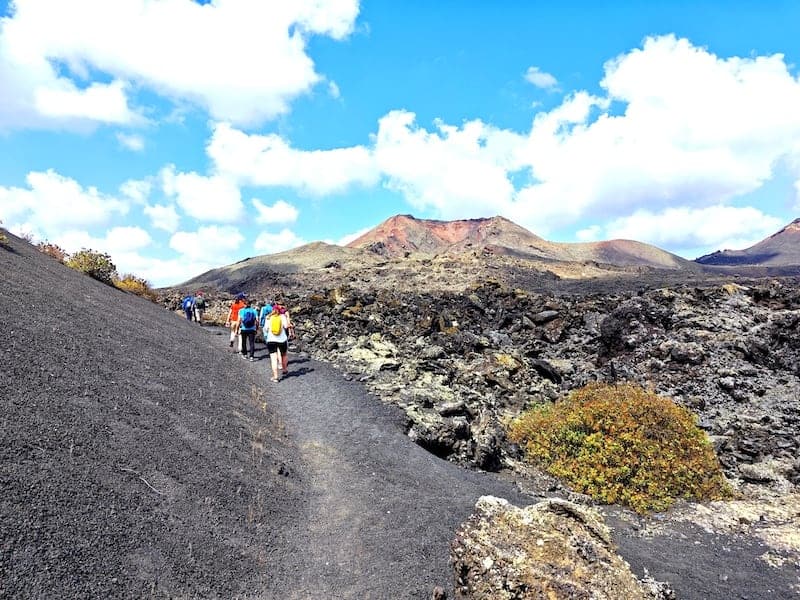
{"points": [[276, 334]]}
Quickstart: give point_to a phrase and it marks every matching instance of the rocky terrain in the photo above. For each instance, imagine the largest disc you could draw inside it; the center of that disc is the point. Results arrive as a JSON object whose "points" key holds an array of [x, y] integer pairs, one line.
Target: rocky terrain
{"points": [[141, 459], [465, 339]]}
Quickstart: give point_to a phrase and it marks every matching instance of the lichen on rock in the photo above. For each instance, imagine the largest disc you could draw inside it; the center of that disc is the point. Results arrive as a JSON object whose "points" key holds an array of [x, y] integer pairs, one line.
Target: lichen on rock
{"points": [[554, 549]]}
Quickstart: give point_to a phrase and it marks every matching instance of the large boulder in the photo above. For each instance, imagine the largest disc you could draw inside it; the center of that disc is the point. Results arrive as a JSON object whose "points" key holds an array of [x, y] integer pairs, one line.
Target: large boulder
{"points": [[554, 550]]}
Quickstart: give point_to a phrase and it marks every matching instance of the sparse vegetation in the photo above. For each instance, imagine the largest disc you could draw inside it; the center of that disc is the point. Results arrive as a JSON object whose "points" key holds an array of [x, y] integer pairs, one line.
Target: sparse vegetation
{"points": [[623, 444], [3, 238], [97, 265], [52, 250], [136, 285]]}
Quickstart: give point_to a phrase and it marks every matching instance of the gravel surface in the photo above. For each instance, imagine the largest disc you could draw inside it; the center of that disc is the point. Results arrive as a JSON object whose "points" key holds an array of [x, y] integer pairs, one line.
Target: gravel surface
{"points": [[140, 457]]}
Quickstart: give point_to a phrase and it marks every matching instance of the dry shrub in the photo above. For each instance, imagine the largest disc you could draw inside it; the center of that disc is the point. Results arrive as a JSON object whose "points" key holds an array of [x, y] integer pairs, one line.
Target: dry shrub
{"points": [[136, 285], [52, 250], [623, 444]]}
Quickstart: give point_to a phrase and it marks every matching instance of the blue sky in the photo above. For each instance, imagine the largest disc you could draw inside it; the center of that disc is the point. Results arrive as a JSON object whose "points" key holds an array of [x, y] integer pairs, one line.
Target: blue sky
{"points": [[178, 135]]}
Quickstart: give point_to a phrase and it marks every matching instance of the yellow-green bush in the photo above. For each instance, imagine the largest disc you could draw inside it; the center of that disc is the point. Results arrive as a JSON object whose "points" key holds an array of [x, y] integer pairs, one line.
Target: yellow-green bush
{"points": [[622, 444], [95, 264], [136, 285]]}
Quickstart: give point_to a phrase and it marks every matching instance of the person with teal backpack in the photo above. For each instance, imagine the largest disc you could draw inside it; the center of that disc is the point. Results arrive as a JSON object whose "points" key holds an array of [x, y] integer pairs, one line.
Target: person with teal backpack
{"points": [[248, 325], [263, 314]]}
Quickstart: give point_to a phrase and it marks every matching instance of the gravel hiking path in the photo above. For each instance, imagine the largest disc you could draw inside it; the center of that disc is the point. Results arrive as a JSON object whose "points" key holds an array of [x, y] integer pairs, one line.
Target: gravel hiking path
{"points": [[380, 511]]}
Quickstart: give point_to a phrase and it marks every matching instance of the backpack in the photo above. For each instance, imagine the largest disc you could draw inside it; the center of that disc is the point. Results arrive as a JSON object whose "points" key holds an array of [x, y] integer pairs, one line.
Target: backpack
{"points": [[200, 302], [187, 303], [249, 319], [275, 324]]}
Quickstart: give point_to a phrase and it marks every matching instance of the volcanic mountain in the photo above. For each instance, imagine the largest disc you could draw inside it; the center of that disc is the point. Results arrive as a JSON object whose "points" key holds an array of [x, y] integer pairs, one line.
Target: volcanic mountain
{"points": [[781, 249], [403, 234], [407, 252]]}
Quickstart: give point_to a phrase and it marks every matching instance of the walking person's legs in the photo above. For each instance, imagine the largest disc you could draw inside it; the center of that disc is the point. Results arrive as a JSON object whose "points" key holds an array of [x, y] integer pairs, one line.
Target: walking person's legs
{"points": [[249, 339], [274, 355], [284, 353]]}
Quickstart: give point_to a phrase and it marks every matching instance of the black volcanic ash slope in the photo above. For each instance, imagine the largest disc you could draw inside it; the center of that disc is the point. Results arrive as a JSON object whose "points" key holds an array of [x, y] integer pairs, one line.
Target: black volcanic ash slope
{"points": [[135, 458]]}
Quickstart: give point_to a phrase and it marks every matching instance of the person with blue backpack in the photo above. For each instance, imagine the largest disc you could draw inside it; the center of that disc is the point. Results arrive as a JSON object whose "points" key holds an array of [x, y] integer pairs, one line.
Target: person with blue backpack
{"points": [[188, 307], [248, 325]]}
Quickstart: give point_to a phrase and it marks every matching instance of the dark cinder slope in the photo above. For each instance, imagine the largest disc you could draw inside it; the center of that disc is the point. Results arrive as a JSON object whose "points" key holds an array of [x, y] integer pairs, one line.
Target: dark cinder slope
{"points": [[135, 458], [781, 249]]}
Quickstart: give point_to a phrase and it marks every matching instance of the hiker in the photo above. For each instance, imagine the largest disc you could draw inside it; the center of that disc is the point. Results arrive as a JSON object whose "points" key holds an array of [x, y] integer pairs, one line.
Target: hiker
{"points": [[188, 307], [276, 335], [289, 325], [199, 307], [263, 314], [233, 321], [248, 325]]}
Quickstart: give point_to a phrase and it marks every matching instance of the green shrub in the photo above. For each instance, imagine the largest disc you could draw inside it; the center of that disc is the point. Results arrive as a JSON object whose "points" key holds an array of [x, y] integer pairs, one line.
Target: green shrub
{"points": [[97, 265], [136, 285], [622, 444]]}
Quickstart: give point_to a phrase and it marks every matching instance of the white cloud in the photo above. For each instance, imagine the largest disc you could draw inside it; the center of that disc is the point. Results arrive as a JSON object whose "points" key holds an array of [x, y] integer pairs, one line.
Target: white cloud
{"points": [[116, 241], [711, 227], [162, 272], [213, 198], [52, 203], [268, 160], [346, 239], [211, 54], [457, 172], [163, 216], [136, 190], [333, 90], [212, 243], [122, 244], [540, 79], [270, 243], [280, 212], [98, 102], [697, 130], [131, 141], [589, 234]]}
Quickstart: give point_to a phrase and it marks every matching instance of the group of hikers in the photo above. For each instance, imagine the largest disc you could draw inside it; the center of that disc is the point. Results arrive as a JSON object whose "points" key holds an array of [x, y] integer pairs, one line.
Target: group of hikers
{"points": [[194, 307], [276, 327], [245, 321]]}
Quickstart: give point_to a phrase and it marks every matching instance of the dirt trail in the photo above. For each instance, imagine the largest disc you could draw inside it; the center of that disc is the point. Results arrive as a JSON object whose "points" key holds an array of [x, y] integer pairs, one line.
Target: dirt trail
{"points": [[380, 511]]}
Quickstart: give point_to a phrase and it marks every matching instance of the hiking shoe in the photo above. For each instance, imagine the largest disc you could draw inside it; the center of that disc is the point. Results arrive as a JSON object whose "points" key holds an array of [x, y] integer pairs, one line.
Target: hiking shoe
{"points": [[274, 379], [252, 359], [231, 344]]}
